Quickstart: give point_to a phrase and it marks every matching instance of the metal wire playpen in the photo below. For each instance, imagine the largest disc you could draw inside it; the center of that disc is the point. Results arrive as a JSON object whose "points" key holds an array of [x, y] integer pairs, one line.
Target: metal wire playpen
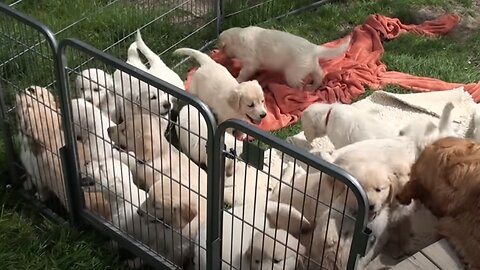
{"points": [[75, 152]]}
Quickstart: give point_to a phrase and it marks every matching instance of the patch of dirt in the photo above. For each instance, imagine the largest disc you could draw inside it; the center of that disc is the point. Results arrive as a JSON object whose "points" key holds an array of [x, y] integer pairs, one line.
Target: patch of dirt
{"points": [[469, 18]]}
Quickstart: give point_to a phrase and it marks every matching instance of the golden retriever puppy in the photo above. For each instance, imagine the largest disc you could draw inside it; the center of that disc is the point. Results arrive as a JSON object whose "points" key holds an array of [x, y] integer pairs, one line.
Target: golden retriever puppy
{"points": [[258, 48], [172, 179], [215, 86], [39, 117], [445, 178], [172, 203], [192, 137], [144, 136], [42, 137], [423, 131], [96, 86], [275, 249], [343, 124], [97, 202]]}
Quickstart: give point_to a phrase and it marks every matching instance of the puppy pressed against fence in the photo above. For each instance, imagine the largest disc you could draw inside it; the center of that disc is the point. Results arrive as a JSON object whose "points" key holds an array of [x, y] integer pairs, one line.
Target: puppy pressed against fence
{"points": [[121, 146]]}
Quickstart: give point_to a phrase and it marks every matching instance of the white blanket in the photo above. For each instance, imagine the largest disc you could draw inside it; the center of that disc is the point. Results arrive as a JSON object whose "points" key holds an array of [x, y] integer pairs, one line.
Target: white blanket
{"points": [[399, 109]]}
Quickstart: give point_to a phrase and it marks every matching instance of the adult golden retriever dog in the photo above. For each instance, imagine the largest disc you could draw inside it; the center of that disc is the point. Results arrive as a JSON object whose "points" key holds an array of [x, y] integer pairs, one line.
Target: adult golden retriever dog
{"points": [[446, 178]]}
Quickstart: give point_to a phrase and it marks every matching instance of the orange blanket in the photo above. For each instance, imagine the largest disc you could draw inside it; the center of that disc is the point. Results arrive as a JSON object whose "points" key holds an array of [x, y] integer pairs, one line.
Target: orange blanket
{"points": [[347, 76]]}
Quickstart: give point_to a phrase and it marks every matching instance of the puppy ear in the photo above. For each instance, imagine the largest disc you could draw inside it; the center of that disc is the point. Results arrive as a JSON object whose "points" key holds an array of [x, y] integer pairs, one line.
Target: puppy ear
{"points": [[234, 99]]}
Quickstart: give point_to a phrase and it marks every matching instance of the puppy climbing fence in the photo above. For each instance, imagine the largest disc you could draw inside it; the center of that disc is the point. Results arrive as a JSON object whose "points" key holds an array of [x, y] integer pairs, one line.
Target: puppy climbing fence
{"points": [[193, 198]]}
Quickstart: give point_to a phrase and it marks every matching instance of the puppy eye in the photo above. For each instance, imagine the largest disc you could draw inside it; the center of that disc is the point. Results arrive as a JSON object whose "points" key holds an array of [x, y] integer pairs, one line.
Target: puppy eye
{"points": [[251, 105], [378, 189], [95, 89], [81, 88], [401, 133], [153, 97], [263, 101], [276, 261], [257, 261]]}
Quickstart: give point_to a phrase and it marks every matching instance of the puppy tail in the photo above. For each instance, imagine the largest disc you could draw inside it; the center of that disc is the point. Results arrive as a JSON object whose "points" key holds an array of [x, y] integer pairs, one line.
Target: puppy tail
{"points": [[324, 52], [201, 57], [152, 57], [132, 52], [446, 118]]}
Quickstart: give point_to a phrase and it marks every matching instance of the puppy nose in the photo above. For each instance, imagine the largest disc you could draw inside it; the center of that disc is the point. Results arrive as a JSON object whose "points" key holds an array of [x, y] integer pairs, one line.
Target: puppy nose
{"points": [[371, 207], [140, 213], [87, 181], [263, 115], [31, 90], [167, 106]]}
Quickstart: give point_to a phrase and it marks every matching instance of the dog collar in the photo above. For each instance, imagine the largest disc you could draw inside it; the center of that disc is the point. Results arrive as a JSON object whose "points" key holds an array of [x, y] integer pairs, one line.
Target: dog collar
{"points": [[328, 116]]}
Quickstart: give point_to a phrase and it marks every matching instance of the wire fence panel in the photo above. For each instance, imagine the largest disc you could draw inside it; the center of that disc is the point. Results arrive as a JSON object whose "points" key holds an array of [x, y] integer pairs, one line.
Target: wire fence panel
{"points": [[111, 24], [119, 145], [30, 110], [289, 210], [143, 188]]}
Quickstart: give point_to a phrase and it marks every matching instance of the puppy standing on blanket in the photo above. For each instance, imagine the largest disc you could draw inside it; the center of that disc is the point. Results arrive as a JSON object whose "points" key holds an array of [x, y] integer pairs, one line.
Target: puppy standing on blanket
{"points": [[343, 124], [227, 98], [275, 50]]}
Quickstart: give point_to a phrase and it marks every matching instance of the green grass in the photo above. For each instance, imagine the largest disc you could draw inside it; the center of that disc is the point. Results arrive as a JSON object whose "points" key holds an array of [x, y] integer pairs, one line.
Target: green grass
{"points": [[29, 241]]}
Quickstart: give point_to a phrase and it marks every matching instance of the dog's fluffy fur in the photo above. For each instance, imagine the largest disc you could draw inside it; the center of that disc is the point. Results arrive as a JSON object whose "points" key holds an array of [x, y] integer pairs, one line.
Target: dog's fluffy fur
{"points": [[96, 86], [192, 137], [423, 131], [137, 96], [159, 69], [343, 124], [476, 124], [41, 126], [275, 249], [446, 179], [177, 186], [215, 86], [275, 50]]}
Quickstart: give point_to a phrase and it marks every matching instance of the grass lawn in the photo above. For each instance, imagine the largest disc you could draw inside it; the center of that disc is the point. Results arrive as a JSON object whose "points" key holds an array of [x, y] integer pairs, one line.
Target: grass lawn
{"points": [[29, 241]]}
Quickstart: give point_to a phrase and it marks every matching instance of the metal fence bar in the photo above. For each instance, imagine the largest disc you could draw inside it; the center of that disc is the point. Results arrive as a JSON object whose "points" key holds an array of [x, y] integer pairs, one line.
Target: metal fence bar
{"points": [[361, 233], [153, 82]]}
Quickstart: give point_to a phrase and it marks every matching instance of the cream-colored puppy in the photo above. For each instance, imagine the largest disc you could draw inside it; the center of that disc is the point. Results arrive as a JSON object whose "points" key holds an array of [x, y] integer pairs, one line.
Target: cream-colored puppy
{"points": [[173, 180], [96, 86], [343, 124], [192, 136], [215, 86], [88, 119], [239, 226], [275, 249], [258, 48], [116, 182], [137, 96], [159, 69], [41, 137], [424, 132]]}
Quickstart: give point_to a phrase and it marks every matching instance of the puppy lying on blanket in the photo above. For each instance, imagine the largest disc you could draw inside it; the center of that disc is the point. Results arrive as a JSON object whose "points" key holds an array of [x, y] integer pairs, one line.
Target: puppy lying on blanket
{"points": [[445, 178], [215, 86], [275, 50], [343, 124]]}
